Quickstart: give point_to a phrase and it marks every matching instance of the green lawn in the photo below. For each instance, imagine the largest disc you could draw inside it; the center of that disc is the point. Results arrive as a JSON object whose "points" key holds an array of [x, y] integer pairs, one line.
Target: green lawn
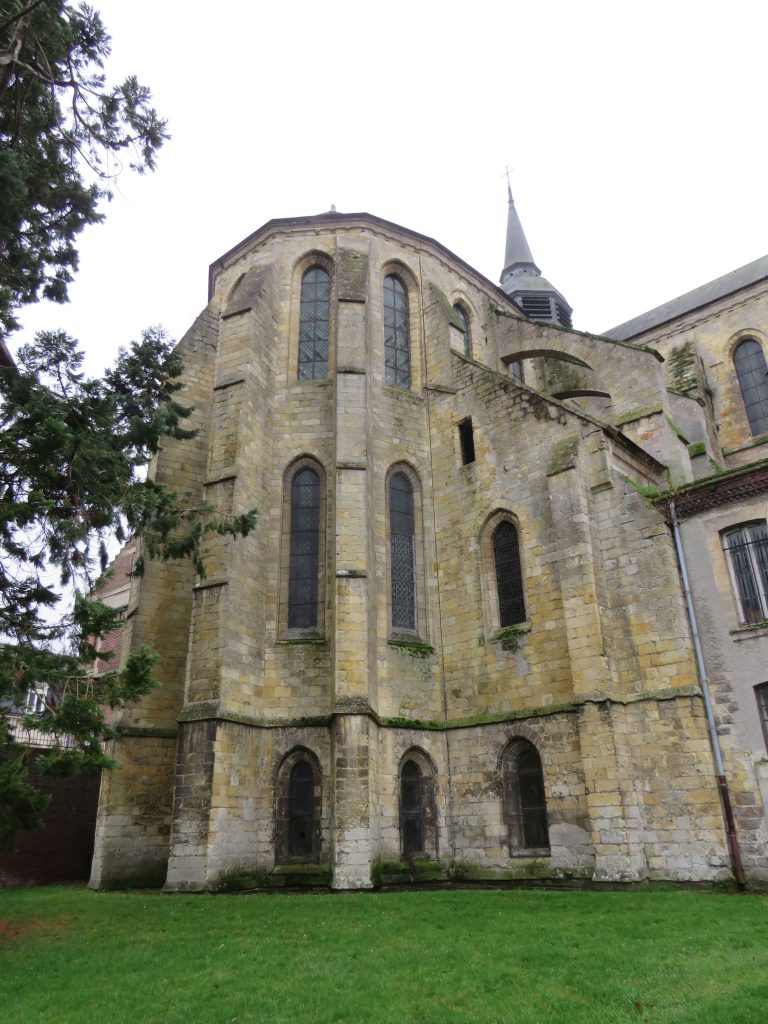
{"points": [[519, 956]]}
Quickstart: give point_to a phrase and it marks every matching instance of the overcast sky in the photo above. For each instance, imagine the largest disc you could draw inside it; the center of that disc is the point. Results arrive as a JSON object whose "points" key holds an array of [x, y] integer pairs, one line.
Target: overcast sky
{"points": [[635, 134]]}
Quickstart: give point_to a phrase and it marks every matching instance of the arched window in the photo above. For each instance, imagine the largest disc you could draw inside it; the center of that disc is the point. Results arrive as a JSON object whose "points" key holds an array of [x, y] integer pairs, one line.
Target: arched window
{"points": [[524, 800], [463, 321], [509, 579], [411, 808], [298, 808], [305, 548], [313, 327], [751, 369], [418, 827], [397, 344], [402, 530]]}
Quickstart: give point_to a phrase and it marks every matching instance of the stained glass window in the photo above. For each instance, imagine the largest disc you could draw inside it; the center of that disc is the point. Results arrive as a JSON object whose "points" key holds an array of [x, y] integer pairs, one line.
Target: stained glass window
{"points": [[751, 369], [305, 548], [509, 578], [313, 329], [397, 343], [402, 535]]}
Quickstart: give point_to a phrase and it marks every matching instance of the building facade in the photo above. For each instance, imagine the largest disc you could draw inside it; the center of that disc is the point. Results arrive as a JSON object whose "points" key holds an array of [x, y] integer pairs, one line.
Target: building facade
{"points": [[456, 645]]}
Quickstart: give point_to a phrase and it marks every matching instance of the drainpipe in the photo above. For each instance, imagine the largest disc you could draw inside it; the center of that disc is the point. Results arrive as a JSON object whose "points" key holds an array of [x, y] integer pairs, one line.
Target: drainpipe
{"points": [[722, 782]]}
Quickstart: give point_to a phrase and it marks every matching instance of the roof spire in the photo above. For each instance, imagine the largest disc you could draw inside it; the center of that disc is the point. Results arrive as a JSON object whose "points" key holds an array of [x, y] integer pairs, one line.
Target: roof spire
{"points": [[521, 279]]}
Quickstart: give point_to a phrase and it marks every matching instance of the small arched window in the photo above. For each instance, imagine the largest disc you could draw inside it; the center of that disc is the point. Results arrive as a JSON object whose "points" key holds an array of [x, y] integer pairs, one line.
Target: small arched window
{"points": [[524, 799], [298, 809], [751, 369], [305, 548], [397, 342], [313, 326], [402, 530], [418, 819], [463, 322], [509, 578]]}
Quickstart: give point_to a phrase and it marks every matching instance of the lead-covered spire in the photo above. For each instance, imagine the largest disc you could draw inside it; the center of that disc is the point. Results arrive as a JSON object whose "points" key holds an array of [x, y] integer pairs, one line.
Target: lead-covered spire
{"points": [[522, 281]]}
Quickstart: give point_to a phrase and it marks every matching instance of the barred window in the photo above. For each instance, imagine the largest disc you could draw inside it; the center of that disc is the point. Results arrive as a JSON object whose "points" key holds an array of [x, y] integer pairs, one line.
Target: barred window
{"points": [[301, 810], [524, 799], [313, 328], [509, 578], [305, 547], [397, 344], [411, 810], [298, 808], [751, 369], [463, 320], [402, 529], [747, 552]]}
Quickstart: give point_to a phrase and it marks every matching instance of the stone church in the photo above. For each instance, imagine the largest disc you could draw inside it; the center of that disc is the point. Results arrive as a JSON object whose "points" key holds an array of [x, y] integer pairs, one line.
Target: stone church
{"points": [[505, 613]]}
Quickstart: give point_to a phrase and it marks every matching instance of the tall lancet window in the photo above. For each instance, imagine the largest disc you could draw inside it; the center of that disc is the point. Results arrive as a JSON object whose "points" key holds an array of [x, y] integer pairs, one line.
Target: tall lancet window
{"points": [[463, 320], [402, 529], [751, 369], [397, 342], [509, 577], [313, 328], [305, 548]]}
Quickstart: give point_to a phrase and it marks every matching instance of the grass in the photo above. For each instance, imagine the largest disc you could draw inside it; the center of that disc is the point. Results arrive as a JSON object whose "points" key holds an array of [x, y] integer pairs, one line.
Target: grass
{"points": [[475, 957]]}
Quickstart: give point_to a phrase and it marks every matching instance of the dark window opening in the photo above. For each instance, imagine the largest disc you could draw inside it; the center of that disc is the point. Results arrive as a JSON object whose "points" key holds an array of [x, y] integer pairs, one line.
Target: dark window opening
{"points": [[402, 529], [301, 812], [411, 808], [313, 327], [509, 577], [397, 344], [467, 439], [752, 372], [761, 693], [524, 798], [305, 548]]}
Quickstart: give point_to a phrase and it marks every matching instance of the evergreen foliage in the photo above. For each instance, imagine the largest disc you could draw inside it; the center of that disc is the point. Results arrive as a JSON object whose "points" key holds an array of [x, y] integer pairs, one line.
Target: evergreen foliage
{"points": [[64, 134], [73, 457]]}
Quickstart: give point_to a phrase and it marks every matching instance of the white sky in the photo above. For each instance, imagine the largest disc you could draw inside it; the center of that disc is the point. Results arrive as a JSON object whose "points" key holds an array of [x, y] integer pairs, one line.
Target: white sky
{"points": [[636, 135]]}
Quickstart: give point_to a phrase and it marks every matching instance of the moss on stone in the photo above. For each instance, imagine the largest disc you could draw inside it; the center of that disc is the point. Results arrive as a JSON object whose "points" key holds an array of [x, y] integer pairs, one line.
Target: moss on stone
{"points": [[509, 637], [564, 454], [412, 647], [697, 448], [637, 414]]}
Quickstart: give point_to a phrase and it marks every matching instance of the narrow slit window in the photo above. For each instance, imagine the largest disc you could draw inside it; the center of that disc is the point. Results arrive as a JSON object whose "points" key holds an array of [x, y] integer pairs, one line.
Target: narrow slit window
{"points": [[402, 529], [305, 548], [301, 810], [411, 808], [761, 693], [467, 440], [397, 341], [313, 327]]}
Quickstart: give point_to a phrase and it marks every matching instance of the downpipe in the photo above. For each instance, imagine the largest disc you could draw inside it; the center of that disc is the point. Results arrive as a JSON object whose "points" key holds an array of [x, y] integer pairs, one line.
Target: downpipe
{"points": [[714, 739]]}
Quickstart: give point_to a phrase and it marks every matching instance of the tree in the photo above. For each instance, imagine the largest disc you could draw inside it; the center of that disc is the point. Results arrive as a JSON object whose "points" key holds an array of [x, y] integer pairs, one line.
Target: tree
{"points": [[73, 456], [63, 136]]}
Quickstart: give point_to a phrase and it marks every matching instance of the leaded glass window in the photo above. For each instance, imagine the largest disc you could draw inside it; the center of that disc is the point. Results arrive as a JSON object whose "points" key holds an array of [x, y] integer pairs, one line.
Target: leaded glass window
{"points": [[509, 578], [301, 810], [397, 342], [751, 369], [525, 804], [411, 808], [402, 532], [305, 548], [463, 320], [747, 551], [313, 328]]}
